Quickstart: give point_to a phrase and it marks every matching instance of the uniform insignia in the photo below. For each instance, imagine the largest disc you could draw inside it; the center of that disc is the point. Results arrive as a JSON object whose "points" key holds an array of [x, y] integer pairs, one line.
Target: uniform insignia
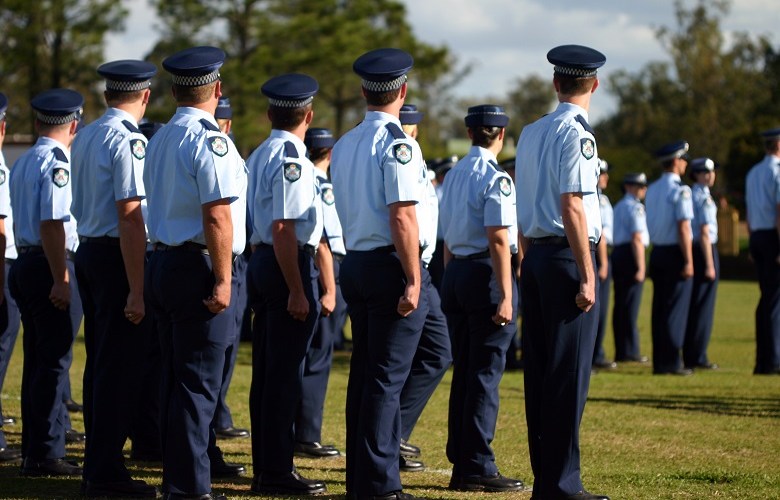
{"points": [[292, 171], [686, 194], [327, 196], [138, 148], [402, 153], [588, 148], [640, 210], [218, 145], [505, 186], [60, 177], [2, 177]]}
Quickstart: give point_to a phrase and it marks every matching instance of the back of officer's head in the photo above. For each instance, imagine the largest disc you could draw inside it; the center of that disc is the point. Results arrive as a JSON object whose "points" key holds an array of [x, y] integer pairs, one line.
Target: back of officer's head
{"points": [[383, 75], [290, 98], [485, 124]]}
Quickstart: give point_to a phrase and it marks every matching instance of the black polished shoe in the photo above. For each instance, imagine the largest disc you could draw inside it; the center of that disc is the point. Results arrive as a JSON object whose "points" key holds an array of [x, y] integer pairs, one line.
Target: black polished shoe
{"points": [[54, 467], [315, 450], [232, 433], [409, 450], [495, 483], [584, 495], [395, 495], [132, 488], [9, 454], [290, 483], [72, 436], [73, 406], [207, 496], [9, 420], [767, 371], [223, 470], [409, 465], [681, 372], [604, 365]]}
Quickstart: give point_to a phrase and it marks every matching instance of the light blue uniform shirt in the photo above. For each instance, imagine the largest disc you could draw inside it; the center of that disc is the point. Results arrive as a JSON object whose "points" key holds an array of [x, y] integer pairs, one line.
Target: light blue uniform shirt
{"points": [[629, 218], [556, 154], [108, 166], [762, 193], [668, 201], [5, 209], [283, 187], [190, 163], [330, 218], [478, 195], [371, 170], [428, 218], [40, 189], [704, 212], [607, 218]]}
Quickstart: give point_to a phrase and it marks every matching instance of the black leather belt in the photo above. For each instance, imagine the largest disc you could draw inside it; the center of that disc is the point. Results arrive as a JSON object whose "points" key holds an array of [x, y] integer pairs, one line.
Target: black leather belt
{"points": [[309, 249], [389, 249], [474, 256], [102, 240], [187, 246], [34, 249], [560, 241]]}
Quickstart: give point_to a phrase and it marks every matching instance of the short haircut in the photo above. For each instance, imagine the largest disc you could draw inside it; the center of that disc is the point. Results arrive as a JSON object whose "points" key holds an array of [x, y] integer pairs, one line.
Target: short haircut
{"points": [[484, 136], [195, 95], [667, 164], [47, 128], [575, 85], [118, 97], [287, 118], [381, 98], [318, 154], [772, 145]]}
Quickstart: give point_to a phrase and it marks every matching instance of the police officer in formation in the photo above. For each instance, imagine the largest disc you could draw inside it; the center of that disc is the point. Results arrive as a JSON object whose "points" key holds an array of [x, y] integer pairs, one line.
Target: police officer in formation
{"points": [[669, 214], [379, 174], [40, 282], [706, 266], [630, 238], [108, 164], [558, 217], [196, 235], [479, 297], [762, 194], [603, 268]]}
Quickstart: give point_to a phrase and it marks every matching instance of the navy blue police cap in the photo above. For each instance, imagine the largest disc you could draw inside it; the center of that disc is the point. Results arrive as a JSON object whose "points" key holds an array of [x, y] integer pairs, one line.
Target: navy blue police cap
{"points": [[57, 106], [317, 138], [603, 166], [223, 111], [409, 115], [3, 105], [637, 179], [576, 60], [195, 66], [702, 165], [486, 115], [672, 151], [771, 134], [383, 70], [443, 165], [149, 128], [293, 90], [127, 75]]}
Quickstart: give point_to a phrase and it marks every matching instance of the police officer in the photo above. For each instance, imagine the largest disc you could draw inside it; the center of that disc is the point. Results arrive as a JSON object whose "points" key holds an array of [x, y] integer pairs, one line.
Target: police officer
{"points": [[39, 279], [669, 214], [195, 234], [287, 237], [630, 238], [603, 268], [706, 267], [762, 195], [308, 422], [440, 167], [379, 173], [558, 217], [108, 163], [479, 297]]}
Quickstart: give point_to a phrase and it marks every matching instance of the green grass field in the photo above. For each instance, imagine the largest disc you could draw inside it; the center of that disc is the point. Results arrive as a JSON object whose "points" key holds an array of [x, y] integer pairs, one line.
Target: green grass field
{"points": [[713, 435]]}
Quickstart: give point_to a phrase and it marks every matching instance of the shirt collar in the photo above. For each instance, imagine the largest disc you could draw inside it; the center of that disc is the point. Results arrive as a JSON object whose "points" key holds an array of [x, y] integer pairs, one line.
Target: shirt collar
{"points": [[122, 115], [289, 136], [48, 141], [381, 116], [673, 176], [573, 108], [198, 113], [483, 153]]}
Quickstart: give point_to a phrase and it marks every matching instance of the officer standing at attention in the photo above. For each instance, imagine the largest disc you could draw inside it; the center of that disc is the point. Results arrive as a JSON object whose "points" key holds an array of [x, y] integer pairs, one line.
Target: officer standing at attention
{"points": [[316, 370], [669, 214], [762, 195], [287, 237], [706, 267], [39, 279], [108, 164], [560, 225], [479, 297], [379, 174], [196, 235], [628, 266], [603, 269]]}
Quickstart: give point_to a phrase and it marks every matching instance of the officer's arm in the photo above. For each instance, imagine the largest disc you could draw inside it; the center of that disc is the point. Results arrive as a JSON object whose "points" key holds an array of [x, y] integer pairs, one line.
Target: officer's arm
{"points": [[53, 242], [286, 250], [406, 238], [706, 249], [218, 231], [2, 257], [324, 261], [638, 249], [686, 246], [576, 227], [132, 242], [501, 257], [601, 254]]}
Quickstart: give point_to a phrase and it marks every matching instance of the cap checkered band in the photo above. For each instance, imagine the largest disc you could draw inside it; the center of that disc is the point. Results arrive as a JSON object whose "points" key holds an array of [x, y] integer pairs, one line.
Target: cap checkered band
{"points": [[289, 103], [58, 119], [384, 86], [121, 86], [196, 81], [578, 72], [483, 113]]}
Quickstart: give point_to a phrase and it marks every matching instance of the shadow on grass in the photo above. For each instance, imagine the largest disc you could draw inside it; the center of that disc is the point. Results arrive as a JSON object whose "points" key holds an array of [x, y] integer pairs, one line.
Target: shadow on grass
{"points": [[722, 405]]}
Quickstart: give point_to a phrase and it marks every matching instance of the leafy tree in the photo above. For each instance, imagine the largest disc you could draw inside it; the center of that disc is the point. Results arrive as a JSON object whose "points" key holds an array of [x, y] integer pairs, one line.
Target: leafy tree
{"points": [[531, 98]]}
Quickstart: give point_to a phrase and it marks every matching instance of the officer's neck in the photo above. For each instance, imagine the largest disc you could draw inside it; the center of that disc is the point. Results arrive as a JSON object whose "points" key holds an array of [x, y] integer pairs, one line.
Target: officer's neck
{"points": [[394, 108], [134, 109], [581, 100]]}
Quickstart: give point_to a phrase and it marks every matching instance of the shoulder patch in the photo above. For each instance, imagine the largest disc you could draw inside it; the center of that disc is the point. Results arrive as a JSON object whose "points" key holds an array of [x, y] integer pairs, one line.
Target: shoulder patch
{"points": [[60, 155], [219, 145], [505, 186], [2, 177], [587, 147], [60, 177], [402, 153], [208, 125], [138, 148], [640, 209], [686, 193], [292, 171], [327, 196], [581, 120], [132, 128], [395, 131], [290, 151]]}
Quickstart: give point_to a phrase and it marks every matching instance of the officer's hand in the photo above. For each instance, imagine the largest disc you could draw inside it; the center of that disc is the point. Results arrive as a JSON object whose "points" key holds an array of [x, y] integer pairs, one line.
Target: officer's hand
{"points": [[408, 303], [134, 308], [687, 271], [503, 312], [298, 306], [639, 277], [60, 295], [220, 298], [709, 273], [587, 296], [603, 273], [328, 303]]}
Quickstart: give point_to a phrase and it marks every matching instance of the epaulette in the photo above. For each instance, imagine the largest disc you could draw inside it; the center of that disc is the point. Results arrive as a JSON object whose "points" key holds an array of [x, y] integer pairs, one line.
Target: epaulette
{"points": [[208, 125], [585, 124], [60, 155], [132, 128], [290, 151], [495, 165], [395, 131]]}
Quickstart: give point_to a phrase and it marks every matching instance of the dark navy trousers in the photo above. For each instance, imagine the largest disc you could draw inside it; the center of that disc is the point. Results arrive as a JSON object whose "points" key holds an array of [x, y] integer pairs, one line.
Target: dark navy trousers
{"points": [[701, 312], [558, 346], [278, 353], [765, 249], [115, 358], [431, 360], [10, 320], [603, 304], [628, 298], [384, 344], [671, 301], [48, 337], [479, 346], [193, 342]]}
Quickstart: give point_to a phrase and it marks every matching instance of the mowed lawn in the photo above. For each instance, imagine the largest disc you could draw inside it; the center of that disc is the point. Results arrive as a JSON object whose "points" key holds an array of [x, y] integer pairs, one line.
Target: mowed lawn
{"points": [[713, 435]]}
